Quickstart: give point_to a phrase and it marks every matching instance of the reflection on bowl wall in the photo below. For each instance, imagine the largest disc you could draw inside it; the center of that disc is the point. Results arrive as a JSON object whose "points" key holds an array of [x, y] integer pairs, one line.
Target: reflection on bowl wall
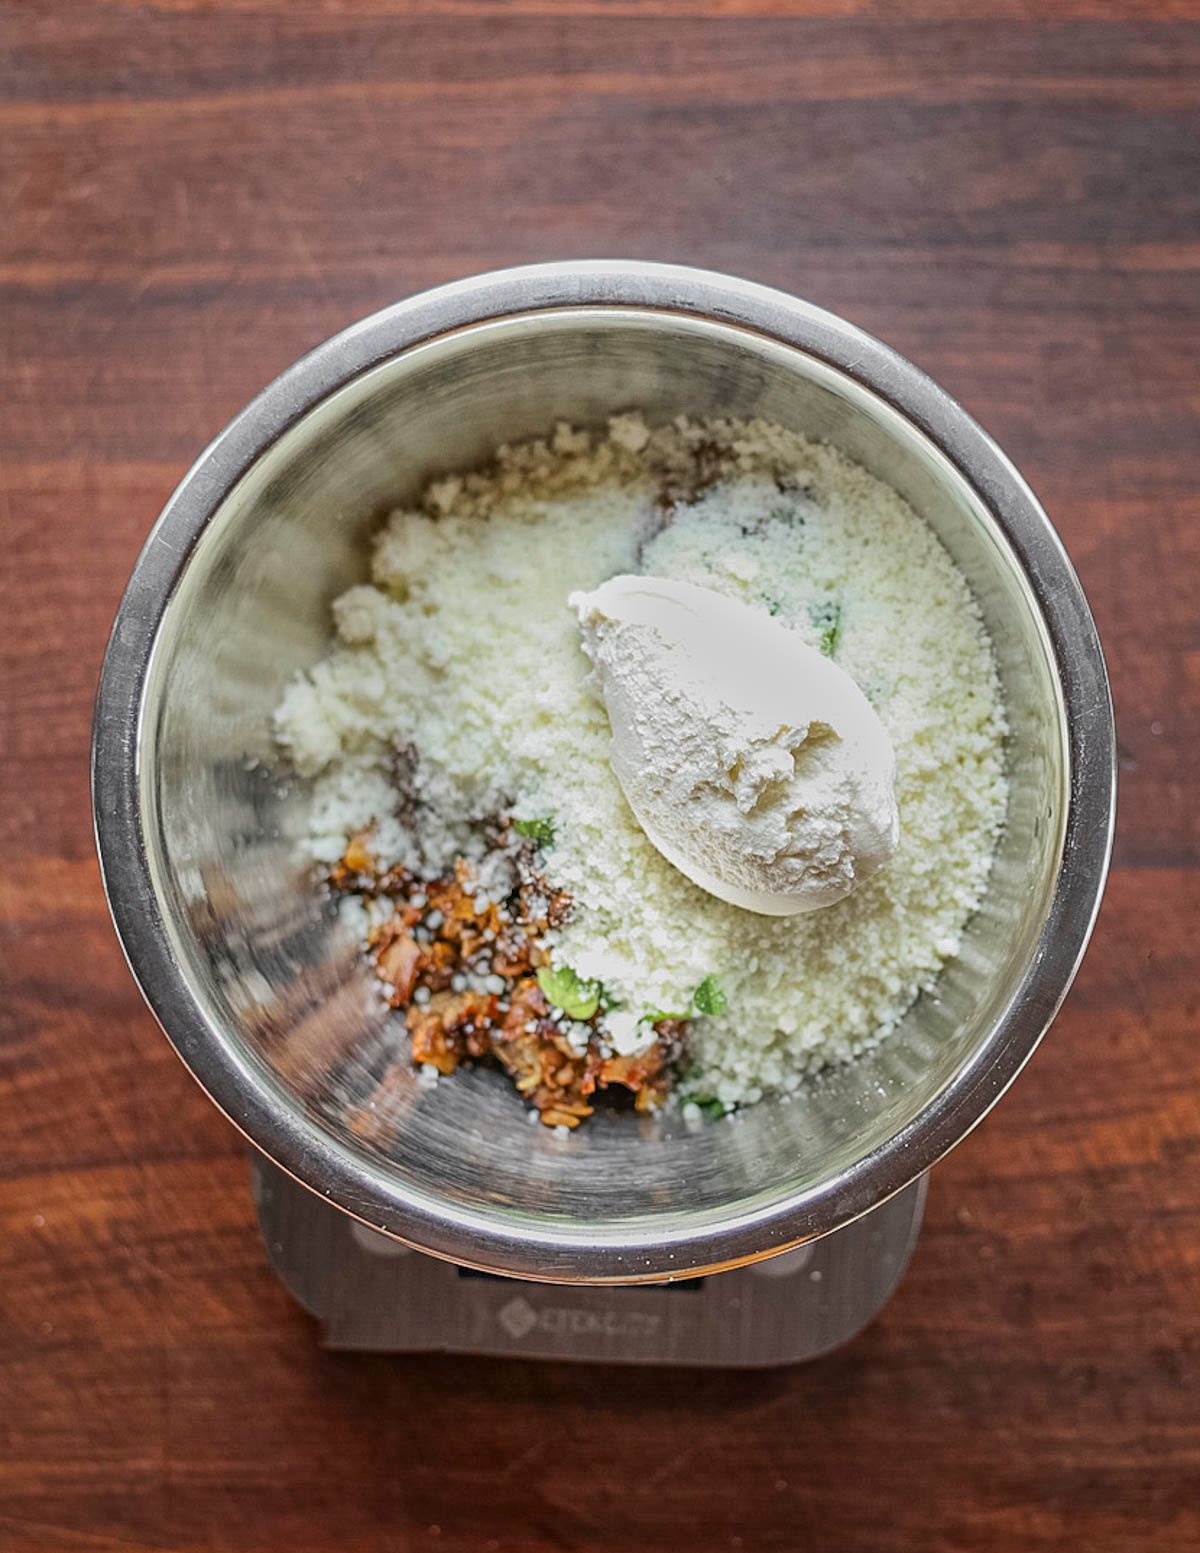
{"points": [[264, 992]]}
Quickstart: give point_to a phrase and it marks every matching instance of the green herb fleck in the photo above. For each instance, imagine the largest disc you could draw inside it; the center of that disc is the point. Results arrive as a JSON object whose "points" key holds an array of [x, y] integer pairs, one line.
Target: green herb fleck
{"points": [[568, 991], [709, 1104], [539, 831], [828, 621], [709, 996], [773, 605], [653, 1015]]}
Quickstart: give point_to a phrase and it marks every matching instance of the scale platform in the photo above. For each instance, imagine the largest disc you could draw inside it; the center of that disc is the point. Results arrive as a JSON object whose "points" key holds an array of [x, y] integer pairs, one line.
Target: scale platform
{"points": [[372, 1293]]}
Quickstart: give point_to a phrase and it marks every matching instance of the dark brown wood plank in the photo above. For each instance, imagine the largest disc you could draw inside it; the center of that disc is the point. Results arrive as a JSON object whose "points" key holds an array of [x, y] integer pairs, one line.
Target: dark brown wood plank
{"points": [[195, 193], [870, 10]]}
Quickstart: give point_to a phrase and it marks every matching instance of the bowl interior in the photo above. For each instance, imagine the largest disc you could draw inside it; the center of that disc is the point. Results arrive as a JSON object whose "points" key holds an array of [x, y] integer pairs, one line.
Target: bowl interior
{"points": [[279, 982]]}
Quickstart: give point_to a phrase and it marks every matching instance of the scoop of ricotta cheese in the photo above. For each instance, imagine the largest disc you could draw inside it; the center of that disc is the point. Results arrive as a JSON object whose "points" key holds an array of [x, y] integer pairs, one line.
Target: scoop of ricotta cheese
{"points": [[752, 762]]}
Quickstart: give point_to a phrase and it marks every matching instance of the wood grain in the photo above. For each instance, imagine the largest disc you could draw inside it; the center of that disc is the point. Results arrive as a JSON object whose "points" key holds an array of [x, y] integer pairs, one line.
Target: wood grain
{"points": [[196, 193]]}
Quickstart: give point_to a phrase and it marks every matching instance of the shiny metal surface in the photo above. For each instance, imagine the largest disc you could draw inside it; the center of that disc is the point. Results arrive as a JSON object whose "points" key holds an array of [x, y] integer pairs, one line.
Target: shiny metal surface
{"points": [[263, 995], [370, 1292]]}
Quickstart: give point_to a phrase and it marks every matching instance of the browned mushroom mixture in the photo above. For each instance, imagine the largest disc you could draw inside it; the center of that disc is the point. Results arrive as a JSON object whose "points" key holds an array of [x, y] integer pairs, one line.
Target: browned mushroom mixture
{"points": [[465, 971]]}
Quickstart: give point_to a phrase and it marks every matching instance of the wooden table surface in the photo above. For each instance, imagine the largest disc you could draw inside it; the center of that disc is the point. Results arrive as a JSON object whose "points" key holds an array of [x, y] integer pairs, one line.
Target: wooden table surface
{"points": [[193, 195]]}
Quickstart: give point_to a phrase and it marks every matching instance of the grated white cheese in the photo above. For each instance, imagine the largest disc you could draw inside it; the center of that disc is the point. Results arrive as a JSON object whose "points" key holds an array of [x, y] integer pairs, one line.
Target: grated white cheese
{"points": [[463, 646]]}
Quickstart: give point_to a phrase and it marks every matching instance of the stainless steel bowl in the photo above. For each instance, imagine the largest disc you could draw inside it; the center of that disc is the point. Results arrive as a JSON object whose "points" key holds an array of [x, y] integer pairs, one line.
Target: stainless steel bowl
{"points": [[245, 966]]}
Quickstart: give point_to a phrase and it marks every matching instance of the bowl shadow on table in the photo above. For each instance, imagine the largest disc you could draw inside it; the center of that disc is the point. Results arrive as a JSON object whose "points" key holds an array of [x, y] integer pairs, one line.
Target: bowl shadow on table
{"points": [[525, 1427]]}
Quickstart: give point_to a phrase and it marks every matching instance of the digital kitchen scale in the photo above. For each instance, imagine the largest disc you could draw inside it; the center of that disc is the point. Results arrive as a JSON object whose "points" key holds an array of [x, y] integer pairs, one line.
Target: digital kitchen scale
{"points": [[372, 1293]]}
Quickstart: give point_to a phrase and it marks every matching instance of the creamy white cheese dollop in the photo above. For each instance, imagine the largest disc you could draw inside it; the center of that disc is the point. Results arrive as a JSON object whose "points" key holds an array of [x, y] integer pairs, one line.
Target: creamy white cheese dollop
{"points": [[752, 762]]}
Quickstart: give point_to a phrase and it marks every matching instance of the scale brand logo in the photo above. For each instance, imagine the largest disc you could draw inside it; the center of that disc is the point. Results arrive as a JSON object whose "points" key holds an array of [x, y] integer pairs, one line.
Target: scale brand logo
{"points": [[519, 1319]]}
